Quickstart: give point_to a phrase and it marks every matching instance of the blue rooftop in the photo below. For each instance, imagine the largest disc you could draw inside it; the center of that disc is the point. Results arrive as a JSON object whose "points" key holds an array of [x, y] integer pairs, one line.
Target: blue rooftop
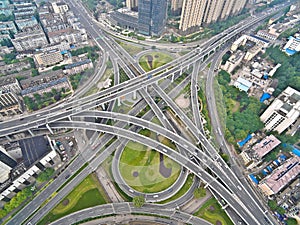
{"points": [[296, 152], [264, 97], [241, 143], [253, 178], [290, 51]]}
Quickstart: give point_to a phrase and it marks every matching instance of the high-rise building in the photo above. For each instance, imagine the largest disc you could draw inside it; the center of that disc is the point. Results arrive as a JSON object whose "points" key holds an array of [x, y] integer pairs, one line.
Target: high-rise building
{"points": [[197, 12], [176, 7], [132, 4], [152, 16], [283, 112]]}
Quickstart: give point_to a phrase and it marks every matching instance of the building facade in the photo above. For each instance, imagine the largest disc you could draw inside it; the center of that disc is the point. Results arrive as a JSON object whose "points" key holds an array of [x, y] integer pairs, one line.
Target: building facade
{"points": [[152, 16], [132, 4], [197, 12], [283, 112]]}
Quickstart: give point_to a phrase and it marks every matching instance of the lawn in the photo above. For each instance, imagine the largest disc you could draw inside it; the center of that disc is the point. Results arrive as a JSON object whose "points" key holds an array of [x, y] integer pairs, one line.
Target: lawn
{"points": [[188, 183], [213, 213], [131, 49], [139, 166], [154, 60], [87, 194]]}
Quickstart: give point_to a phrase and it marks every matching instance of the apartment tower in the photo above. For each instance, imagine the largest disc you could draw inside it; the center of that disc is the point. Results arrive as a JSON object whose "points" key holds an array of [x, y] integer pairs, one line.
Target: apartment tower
{"points": [[198, 12], [176, 6], [132, 4]]}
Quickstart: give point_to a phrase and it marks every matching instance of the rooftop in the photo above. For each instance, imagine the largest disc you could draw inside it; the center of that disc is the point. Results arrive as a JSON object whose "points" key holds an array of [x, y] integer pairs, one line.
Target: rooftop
{"points": [[266, 145], [283, 175]]}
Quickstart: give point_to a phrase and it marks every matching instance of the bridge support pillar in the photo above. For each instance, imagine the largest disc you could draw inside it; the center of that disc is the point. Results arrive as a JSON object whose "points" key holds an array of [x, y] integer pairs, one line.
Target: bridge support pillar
{"points": [[30, 132], [181, 70], [206, 185], [69, 117], [134, 95], [119, 101], [225, 206], [103, 106], [172, 79], [188, 66], [8, 138], [49, 128]]}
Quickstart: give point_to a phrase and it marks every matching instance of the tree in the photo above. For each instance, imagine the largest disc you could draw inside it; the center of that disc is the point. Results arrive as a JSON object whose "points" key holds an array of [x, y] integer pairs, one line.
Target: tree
{"points": [[291, 221], [138, 201], [272, 204], [45, 175], [199, 192]]}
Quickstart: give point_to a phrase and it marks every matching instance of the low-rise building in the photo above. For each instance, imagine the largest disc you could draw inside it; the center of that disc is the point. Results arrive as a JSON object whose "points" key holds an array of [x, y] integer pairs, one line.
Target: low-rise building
{"points": [[48, 58], [242, 84], [233, 61], [292, 46], [10, 104], [59, 7], [46, 87], [23, 23], [281, 177], [69, 35], [283, 112], [10, 84], [78, 67], [265, 146], [7, 27], [31, 38], [252, 52], [266, 35], [14, 67]]}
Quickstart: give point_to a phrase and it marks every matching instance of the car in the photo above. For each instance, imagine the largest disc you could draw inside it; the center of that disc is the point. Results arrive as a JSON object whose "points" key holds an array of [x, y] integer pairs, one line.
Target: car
{"points": [[66, 177]]}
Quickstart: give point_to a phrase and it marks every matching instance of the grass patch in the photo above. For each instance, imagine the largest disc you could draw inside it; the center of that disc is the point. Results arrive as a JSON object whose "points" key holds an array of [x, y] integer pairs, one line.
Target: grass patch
{"points": [[213, 212], [139, 166], [131, 49], [154, 60], [188, 183], [85, 195]]}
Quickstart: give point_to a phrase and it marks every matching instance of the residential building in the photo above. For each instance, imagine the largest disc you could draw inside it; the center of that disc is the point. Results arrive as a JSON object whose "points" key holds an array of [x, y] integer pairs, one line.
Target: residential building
{"points": [[292, 46], [132, 4], [281, 177], [31, 38], [78, 67], [197, 12], [233, 61], [46, 87], [23, 23], [265, 146], [14, 67], [9, 104], [252, 52], [283, 112], [152, 16], [24, 10], [191, 14], [59, 7], [7, 27], [48, 58], [176, 7], [10, 84], [266, 35], [69, 35]]}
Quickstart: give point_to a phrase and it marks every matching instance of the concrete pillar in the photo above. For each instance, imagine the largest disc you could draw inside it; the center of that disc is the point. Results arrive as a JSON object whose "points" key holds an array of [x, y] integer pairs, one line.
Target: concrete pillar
{"points": [[103, 106], [8, 138], [69, 117], [206, 185], [134, 95], [30, 132], [188, 66], [49, 128], [119, 101], [181, 70], [172, 77]]}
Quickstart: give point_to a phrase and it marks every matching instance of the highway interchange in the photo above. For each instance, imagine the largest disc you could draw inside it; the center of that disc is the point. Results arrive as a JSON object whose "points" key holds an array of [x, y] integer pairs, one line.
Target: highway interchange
{"points": [[230, 189]]}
